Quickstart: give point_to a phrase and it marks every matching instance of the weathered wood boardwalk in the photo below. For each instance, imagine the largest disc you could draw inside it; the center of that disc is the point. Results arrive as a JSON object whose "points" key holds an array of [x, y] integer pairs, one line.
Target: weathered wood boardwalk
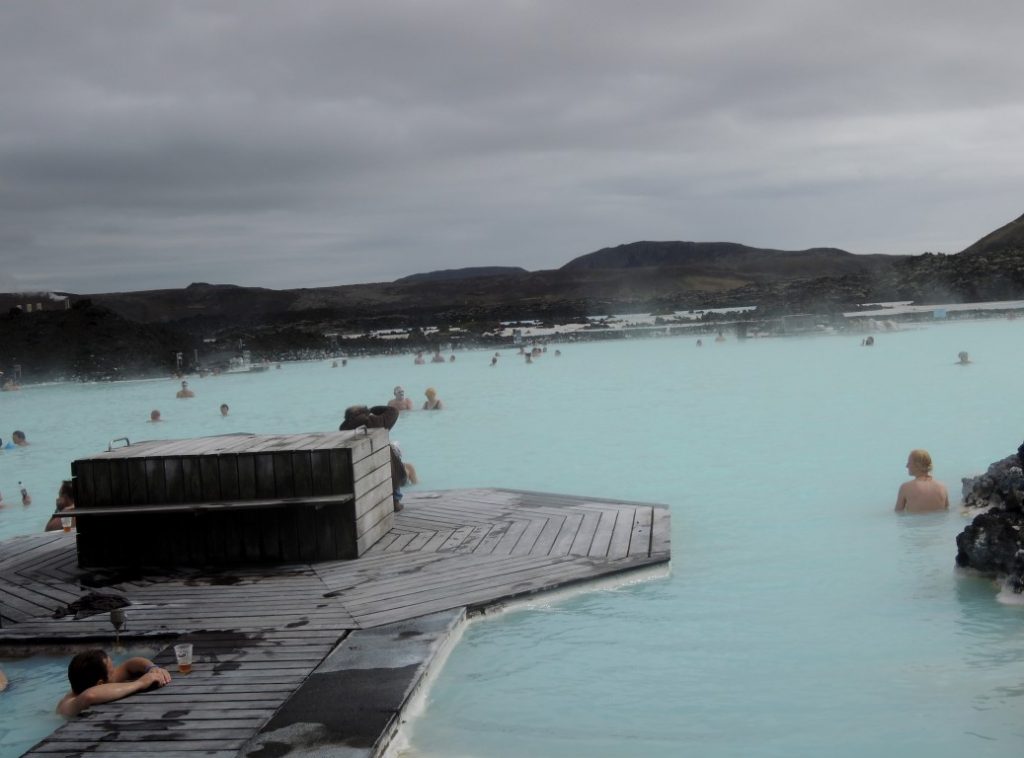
{"points": [[266, 637]]}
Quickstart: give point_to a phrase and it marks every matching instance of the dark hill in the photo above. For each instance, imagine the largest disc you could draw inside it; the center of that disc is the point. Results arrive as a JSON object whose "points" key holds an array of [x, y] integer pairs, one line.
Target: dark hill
{"points": [[458, 274], [87, 342], [732, 258], [1008, 237]]}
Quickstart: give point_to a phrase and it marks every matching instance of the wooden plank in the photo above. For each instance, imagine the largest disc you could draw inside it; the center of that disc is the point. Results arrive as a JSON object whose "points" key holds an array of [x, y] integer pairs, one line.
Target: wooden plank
{"points": [[120, 493], [603, 534], [209, 475], [82, 475], [496, 535], [419, 541], [398, 543], [246, 475], [320, 471], [191, 480], [547, 536], [368, 484], [156, 490], [585, 536], [456, 538], [220, 505], [476, 535], [661, 532], [618, 546], [265, 484], [640, 539], [367, 509], [138, 494], [372, 462], [341, 471], [290, 540], [368, 538], [174, 480], [533, 531], [511, 536]]}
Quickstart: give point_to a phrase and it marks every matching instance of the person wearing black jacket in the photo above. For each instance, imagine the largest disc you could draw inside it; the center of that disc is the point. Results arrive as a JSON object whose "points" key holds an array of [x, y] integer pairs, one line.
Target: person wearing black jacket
{"points": [[379, 417]]}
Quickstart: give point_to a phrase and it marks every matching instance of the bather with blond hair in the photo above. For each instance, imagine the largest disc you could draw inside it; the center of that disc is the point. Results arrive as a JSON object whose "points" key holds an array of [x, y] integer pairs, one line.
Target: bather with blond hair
{"points": [[433, 402], [922, 494]]}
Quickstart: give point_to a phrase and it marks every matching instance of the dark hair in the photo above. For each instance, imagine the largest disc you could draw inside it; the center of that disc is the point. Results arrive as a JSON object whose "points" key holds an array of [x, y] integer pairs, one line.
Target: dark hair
{"points": [[87, 670], [355, 416], [67, 488], [19, 435]]}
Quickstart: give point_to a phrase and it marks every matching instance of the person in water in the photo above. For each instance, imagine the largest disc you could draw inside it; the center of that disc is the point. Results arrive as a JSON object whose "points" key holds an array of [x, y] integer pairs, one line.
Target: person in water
{"points": [[964, 358], [154, 416], [438, 358], [65, 502], [3, 680], [18, 439], [185, 391], [433, 402], [400, 402], [419, 359], [94, 679], [224, 409], [922, 494]]}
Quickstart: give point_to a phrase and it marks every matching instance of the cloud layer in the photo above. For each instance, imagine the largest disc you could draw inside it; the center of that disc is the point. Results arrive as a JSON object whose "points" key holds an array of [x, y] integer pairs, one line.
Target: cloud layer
{"points": [[147, 145]]}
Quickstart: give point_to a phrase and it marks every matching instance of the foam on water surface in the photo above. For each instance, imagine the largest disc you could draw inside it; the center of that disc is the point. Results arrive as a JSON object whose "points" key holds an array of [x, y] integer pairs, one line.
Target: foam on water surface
{"points": [[801, 617]]}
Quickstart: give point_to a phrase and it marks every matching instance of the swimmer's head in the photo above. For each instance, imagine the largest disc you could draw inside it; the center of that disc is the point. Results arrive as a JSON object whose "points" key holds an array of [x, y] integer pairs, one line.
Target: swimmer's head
{"points": [[184, 384], [962, 355], [88, 669], [154, 415], [399, 392], [919, 462], [431, 393]]}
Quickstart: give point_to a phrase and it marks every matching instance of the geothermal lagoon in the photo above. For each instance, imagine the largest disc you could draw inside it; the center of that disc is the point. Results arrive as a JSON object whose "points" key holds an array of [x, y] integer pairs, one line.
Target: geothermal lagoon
{"points": [[802, 616]]}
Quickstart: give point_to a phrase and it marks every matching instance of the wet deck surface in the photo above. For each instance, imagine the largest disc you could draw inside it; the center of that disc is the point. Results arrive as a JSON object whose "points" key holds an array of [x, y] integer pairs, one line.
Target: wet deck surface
{"points": [[265, 638]]}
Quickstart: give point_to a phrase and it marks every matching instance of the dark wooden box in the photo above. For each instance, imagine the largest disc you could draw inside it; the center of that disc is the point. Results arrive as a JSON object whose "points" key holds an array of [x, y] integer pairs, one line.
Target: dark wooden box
{"points": [[234, 499]]}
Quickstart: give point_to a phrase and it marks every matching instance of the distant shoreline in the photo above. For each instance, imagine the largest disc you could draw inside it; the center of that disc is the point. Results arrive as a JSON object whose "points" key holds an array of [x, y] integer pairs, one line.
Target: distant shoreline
{"points": [[538, 332]]}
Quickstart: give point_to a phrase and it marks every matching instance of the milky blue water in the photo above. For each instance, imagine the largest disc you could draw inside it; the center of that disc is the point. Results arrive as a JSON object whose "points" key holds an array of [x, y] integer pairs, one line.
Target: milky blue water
{"points": [[802, 616], [36, 685]]}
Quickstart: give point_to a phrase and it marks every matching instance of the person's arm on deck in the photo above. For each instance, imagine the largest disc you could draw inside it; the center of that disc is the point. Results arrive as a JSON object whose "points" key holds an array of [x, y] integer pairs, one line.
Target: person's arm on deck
{"points": [[72, 704]]}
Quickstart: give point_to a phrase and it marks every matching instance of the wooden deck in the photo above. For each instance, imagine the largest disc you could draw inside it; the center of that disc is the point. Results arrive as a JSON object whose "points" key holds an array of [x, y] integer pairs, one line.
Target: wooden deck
{"points": [[260, 633]]}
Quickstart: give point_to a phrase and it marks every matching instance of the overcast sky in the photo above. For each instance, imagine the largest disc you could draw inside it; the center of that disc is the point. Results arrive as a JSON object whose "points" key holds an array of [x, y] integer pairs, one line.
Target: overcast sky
{"points": [[285, 144]]}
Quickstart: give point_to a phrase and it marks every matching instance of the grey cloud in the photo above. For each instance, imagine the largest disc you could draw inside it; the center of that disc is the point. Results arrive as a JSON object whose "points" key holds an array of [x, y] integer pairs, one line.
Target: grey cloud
{"points": [[153, 144]]}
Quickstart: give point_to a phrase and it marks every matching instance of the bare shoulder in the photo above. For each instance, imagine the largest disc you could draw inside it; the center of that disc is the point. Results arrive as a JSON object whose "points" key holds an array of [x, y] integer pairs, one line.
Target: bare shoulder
{"points": [[69, 705]]}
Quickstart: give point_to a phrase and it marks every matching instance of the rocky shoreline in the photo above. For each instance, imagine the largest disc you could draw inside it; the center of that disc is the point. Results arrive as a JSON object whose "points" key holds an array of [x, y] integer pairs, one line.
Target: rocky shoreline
{"points": [[993, 543]]}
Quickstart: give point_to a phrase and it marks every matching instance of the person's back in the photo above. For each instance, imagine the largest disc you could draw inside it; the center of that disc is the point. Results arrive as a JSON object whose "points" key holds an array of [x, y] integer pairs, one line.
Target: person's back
{"points": [[922, 494]]}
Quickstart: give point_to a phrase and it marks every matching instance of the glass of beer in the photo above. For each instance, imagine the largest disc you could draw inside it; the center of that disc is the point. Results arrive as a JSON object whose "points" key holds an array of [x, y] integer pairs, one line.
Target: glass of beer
{"points": [[183, 653], [65, 522]]}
